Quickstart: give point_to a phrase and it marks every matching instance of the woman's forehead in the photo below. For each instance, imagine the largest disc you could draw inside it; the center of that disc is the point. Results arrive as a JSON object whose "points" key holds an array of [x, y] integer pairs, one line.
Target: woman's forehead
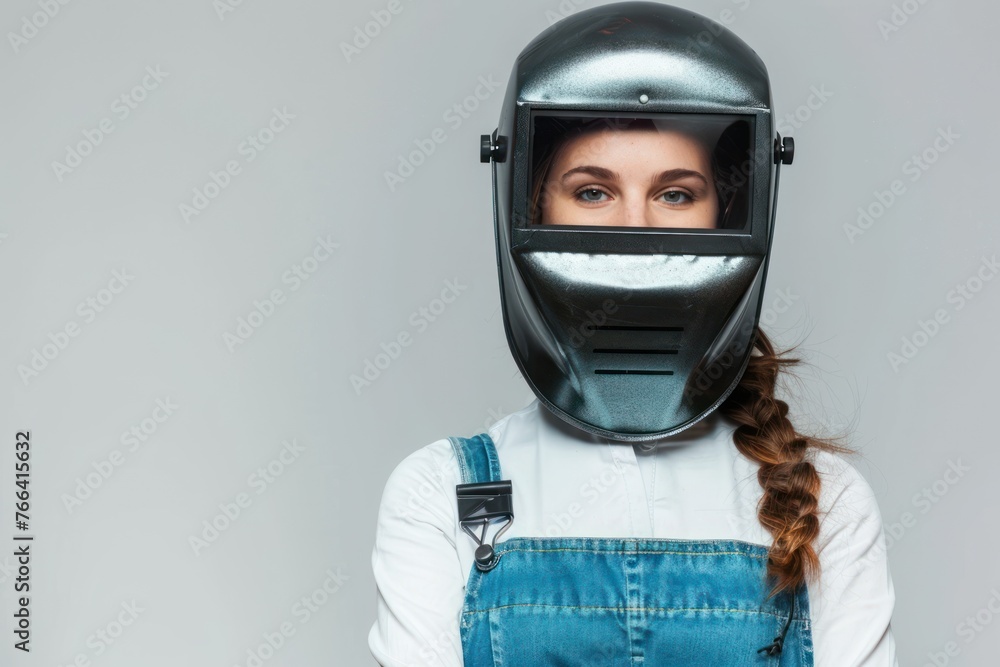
{"points": [[613, 143]]}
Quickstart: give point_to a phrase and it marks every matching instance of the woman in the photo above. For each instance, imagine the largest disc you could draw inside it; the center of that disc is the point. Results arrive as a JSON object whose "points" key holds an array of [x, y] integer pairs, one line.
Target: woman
{"points": [[667, 510]]}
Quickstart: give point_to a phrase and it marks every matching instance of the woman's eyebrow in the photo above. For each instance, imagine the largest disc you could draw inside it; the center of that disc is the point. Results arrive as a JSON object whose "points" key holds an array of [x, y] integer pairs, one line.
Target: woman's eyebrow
{"points": [[597, 172], [668, 175], [677, 174]]}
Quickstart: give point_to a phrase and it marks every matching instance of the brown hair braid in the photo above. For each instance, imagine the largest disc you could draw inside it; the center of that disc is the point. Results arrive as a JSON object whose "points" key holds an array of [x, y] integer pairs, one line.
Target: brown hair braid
{"points": [[788, 508]]}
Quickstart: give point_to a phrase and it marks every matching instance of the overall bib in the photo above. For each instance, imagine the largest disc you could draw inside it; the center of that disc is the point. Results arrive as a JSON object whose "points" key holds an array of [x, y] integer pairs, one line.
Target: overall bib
{"points": [[619, 601]]}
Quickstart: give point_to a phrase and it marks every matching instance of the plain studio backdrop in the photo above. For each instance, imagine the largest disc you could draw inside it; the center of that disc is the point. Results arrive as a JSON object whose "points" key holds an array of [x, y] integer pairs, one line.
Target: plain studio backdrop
{"points": [[216, 214]]}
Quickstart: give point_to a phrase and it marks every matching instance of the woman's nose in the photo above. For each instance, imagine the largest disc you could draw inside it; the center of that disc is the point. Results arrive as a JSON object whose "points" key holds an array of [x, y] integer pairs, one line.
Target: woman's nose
{"points": [[635, 213]]}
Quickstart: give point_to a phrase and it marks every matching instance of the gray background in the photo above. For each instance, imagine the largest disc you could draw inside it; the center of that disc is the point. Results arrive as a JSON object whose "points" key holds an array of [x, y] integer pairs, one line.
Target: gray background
{"points": [[852, 301]]}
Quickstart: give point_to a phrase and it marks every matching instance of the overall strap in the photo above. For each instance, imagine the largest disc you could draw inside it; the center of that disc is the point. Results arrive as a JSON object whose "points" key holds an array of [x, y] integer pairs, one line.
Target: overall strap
{"points": [[477, 458], [482, 497]]}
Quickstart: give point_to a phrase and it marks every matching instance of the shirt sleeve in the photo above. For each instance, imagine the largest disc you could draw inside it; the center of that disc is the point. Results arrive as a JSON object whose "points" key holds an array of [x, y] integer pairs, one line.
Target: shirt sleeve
{"points": [[418, 575], [851, 615]]}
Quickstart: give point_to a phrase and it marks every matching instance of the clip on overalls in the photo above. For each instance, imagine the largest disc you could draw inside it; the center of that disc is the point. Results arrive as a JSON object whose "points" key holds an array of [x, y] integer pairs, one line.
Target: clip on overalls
{"points": [[480, 503], [615, 602]]}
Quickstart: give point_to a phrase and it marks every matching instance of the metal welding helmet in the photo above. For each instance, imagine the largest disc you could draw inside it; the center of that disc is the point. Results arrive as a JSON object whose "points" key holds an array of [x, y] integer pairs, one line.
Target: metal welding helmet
{"points": [[635, 173]]}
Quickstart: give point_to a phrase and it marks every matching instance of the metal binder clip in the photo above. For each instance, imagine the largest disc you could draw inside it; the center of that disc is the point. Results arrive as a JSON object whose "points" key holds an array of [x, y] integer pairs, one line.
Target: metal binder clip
{"points": [[480, 504]]}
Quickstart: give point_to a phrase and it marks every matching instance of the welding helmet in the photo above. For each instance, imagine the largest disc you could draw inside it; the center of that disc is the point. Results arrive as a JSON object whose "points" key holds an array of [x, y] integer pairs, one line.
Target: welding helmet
{"points": [[635, 173]]}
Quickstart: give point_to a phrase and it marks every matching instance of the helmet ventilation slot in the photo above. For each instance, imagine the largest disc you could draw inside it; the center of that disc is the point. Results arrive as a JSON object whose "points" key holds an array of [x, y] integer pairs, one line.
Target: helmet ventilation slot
{"points": [[626, 371], [619, 350]]}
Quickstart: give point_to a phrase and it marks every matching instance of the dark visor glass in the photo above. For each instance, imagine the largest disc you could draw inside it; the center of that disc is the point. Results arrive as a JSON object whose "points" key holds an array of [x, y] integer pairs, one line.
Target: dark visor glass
{"points": [[681, 171]]}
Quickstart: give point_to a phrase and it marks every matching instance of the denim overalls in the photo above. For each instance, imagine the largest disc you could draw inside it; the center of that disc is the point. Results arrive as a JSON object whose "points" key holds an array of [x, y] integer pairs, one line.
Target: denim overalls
{"points": [[534, 601]]}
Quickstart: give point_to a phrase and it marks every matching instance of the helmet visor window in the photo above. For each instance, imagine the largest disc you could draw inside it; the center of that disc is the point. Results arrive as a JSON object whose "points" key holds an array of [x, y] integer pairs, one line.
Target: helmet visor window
{"points": [[687, 171]]}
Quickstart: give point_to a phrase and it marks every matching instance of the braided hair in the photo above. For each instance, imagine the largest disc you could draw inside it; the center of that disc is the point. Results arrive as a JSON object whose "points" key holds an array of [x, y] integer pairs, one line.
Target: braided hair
{"points": [[791, 484]]}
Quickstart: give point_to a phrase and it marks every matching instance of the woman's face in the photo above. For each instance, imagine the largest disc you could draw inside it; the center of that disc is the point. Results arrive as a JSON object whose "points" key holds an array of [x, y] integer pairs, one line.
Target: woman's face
{"points": [[630, 178]]}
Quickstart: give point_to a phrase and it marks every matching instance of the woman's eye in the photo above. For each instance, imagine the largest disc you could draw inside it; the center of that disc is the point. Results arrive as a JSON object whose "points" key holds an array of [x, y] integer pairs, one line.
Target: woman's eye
{"points": [[676, 197], [591, 195]]}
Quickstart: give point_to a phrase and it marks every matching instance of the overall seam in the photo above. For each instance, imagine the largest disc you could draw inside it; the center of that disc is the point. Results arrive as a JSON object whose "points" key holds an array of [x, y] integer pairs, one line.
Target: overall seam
{"points": [[496, 645], [458, 447], [637, 551], [635, 615], [628, 615], [759, 612], [492, 457]]}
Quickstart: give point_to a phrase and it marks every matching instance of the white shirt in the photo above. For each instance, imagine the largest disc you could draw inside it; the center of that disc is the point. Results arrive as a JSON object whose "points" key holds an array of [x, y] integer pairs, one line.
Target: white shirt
{"points": [[568, 483]]}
